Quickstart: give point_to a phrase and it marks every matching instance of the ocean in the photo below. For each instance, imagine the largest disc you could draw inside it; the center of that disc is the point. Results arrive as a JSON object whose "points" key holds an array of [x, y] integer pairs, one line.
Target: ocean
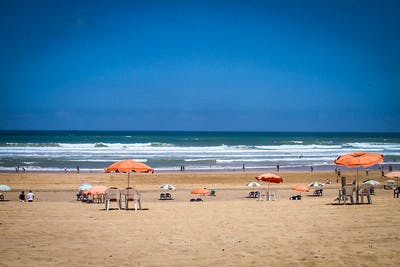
{"points": [[197, 151]]}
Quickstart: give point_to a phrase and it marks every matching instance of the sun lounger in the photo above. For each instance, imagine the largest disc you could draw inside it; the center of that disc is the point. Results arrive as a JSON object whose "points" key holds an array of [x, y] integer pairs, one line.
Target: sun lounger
{"points": [[365, 191], [130, 194], [192, 200], [296, 197], [213, 193], [251, 194], [112, 195], [318, 192], [257, 194], [162, 196], [346, 192], [199, 200]]}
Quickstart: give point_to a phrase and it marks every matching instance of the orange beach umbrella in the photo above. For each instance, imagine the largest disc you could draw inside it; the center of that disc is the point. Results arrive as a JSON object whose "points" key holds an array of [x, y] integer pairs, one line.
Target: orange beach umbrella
{"points": [[392, 175], [200, 191], [270, 178], [300, 188], [128, 166], [359, 159], [96, 190]]}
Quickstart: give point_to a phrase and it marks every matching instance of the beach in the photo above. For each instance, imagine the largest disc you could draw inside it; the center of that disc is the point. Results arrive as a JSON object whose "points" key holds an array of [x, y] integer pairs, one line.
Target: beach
{"points": [[227, 230]]}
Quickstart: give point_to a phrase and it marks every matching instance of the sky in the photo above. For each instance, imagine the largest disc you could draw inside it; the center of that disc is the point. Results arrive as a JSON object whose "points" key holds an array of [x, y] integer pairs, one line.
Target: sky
{"points": [[200, 65]]}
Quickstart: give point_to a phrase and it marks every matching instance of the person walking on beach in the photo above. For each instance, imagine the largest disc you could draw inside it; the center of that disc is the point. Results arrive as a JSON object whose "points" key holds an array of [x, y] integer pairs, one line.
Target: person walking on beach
{"points": [[77, 168], [277, 167], [312, 168], [30, 196], [243, 167]]}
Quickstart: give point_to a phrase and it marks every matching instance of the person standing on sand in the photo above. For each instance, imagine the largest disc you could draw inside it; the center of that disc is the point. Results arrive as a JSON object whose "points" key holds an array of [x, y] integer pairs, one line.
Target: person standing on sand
{"points": [[77, 168], [277, 167]]}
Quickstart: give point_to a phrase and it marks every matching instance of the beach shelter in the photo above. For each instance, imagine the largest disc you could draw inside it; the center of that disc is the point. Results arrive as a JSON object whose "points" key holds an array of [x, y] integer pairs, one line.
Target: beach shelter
{"points": [[371, 182], [168, 187], [84, 187], [253, 184], [300, 188], [200, 191], [4, 188], [96, 190], [358, 159], [392, 175], [128, 166], [316, 184]]}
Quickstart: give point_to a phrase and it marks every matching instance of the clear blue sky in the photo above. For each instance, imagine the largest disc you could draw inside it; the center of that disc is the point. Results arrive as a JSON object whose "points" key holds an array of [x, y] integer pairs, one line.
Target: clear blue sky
{"points": [[200, 65]]}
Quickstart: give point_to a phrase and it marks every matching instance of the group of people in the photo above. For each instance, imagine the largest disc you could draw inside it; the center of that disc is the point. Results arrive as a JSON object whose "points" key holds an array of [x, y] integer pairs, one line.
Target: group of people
{"points": [[26, 198]]}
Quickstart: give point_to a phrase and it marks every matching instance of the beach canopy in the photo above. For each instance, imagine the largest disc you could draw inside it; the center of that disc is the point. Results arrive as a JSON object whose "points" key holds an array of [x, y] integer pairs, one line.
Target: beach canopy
{"points": [[84, 187], [371, 182], [128, 166], [270, 178], [316, 184], [96, 190], [392, 175], [300, 188], [359, 159], [253, 184], [4, 187], [200, 191], [168, 187]]}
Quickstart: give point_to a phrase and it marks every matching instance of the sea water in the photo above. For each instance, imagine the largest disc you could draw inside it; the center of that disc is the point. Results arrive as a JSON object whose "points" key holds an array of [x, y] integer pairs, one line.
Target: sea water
{"points": [[197, 151]]}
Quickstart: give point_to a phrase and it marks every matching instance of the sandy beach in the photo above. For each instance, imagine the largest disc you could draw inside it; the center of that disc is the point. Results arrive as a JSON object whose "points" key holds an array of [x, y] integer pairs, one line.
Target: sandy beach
{"points": [[227, 230]]}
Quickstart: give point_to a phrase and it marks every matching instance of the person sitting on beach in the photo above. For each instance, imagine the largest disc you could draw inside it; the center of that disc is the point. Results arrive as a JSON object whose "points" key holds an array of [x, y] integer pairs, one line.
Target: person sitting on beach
{"points": [[22, 197], [30, 196]]}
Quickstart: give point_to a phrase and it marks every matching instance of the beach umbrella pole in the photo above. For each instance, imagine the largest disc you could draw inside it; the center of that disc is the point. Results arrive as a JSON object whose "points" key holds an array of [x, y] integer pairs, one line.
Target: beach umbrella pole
{"points": [[357, 187], [128, 177]]}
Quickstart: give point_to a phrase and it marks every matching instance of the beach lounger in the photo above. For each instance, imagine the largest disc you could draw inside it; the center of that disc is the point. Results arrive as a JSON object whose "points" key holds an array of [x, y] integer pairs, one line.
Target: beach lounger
{"points": [[257, 194], [271, 195], [130, 194], [162, 196], [318, 192], [112, 195], [168, 196], [346, 192], [365, 191], [192, 200], [199, 200], [296, 197], [213, 193], [251, 194]]}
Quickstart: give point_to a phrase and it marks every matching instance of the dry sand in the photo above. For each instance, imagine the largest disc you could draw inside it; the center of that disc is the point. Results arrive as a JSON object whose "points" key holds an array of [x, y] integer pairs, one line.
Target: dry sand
{"points": [[227, 230]]}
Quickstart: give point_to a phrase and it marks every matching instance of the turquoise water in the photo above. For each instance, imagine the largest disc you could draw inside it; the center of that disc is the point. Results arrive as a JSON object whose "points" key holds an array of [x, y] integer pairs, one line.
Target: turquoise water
{"points": [[167, 151]]}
